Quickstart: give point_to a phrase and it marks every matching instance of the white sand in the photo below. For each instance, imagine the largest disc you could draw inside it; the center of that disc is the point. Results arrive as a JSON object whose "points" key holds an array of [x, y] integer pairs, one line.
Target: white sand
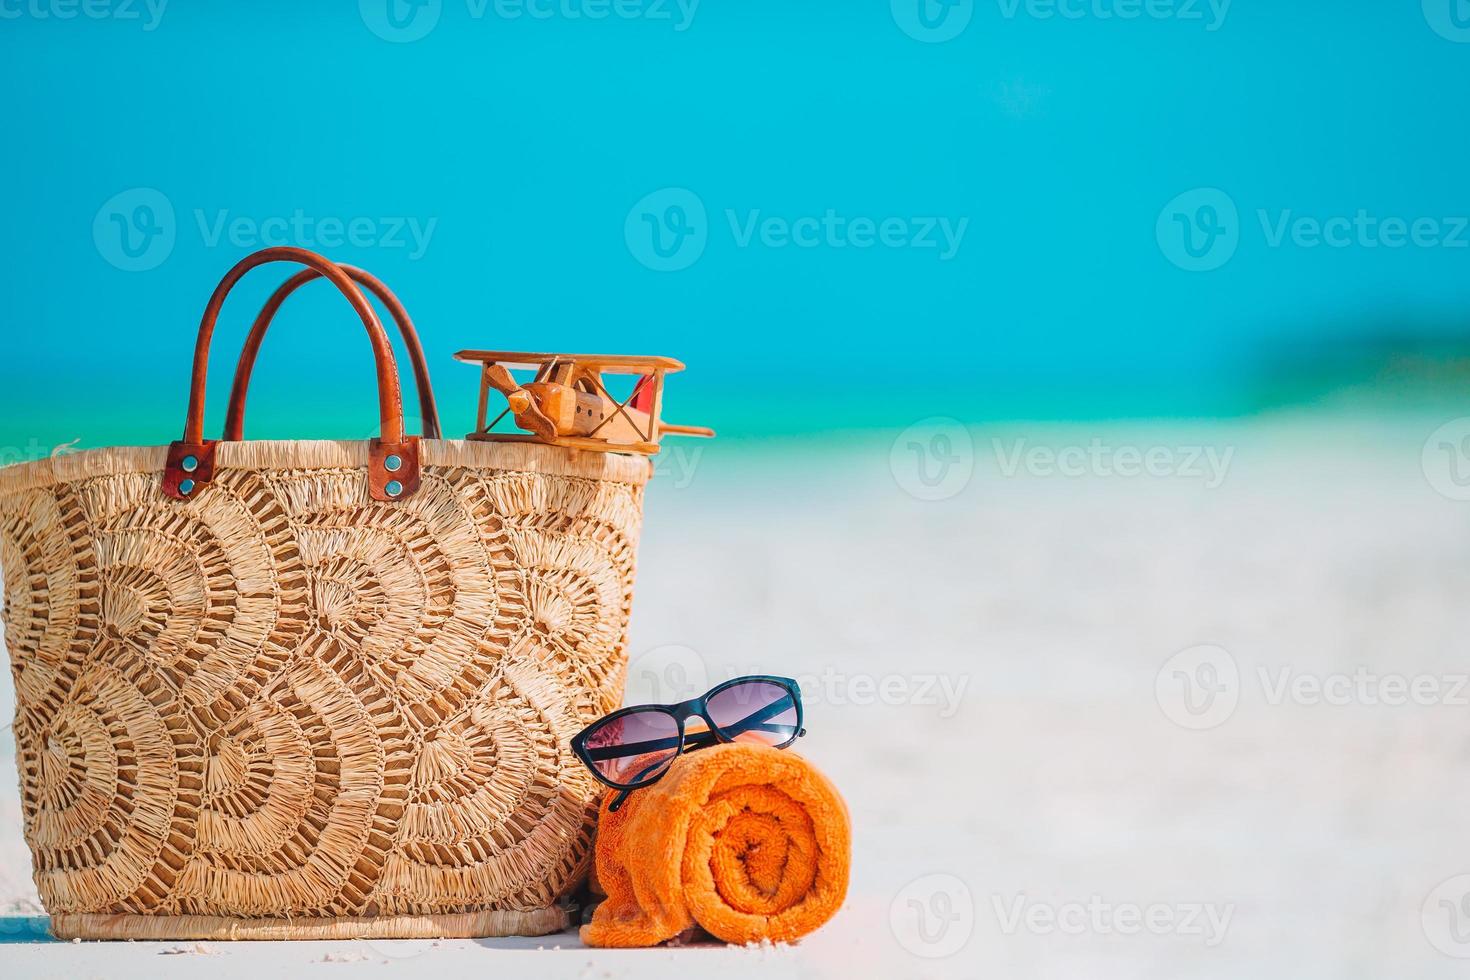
{"points": [[1056, 785]]}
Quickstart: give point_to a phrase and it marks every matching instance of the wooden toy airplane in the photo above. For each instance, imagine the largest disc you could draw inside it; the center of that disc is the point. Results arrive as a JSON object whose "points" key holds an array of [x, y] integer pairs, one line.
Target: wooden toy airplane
{"points": [[567, 404]]}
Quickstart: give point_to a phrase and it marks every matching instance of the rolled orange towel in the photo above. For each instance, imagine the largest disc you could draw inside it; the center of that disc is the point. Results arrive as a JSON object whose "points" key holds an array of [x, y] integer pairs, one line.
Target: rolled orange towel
{"points": [[747, 842]]}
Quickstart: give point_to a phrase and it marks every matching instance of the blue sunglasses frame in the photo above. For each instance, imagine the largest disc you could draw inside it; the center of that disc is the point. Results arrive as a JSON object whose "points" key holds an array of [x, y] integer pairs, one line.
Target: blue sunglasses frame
{"points": [[758, 721]]}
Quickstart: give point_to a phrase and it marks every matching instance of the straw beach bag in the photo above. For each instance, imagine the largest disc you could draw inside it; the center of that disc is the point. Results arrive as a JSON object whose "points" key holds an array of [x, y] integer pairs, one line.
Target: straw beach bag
{"points": [[277, 690]]}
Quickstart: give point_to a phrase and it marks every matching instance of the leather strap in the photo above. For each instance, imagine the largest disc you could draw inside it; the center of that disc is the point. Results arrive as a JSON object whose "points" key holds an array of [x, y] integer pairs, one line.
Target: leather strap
{"points": [[235, 419], [393, 464]]}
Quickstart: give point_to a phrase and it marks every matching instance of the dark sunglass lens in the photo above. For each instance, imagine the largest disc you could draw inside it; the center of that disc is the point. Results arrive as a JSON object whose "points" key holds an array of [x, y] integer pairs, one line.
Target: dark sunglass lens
{"points": [[761, 712], [635, 747]]}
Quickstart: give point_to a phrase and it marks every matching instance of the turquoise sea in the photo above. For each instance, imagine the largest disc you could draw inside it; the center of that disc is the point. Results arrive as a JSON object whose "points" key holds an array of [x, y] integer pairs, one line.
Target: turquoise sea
{"points": [[840, 216]]}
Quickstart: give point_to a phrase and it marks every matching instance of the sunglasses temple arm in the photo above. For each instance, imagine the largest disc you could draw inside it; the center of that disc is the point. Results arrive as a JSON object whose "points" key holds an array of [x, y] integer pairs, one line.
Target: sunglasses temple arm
{"points": [[757, 721], [622, 796], [697, 740], [706, 738], [625, 749]]}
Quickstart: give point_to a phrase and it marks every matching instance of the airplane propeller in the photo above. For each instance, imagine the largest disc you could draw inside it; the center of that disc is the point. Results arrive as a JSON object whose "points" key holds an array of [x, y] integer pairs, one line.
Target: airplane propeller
{"points": [[522, 404]]}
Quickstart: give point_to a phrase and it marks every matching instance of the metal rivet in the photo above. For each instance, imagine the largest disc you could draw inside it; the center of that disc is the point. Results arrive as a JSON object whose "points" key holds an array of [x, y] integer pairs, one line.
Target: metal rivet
{"points": [[186, 487], [190, 464], [393, 464], [393, 489]]}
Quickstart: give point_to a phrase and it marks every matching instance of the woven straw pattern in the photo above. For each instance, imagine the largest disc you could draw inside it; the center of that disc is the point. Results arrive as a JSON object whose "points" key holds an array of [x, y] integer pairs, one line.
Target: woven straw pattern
{"points": [[285, 700]]}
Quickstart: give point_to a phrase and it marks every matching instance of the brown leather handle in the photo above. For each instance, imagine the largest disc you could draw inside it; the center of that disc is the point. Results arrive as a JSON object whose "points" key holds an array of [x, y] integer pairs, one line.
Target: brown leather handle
{"points": [[393, 470], [235, 420]]}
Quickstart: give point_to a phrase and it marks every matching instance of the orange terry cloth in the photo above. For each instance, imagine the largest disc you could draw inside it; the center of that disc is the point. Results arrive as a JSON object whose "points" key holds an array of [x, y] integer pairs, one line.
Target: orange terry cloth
{"points": [[747, 842]]}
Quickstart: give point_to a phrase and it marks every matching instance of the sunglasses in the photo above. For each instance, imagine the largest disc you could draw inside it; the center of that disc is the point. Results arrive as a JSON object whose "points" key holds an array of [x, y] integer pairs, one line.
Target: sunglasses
{"points": [[634, 747]]}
